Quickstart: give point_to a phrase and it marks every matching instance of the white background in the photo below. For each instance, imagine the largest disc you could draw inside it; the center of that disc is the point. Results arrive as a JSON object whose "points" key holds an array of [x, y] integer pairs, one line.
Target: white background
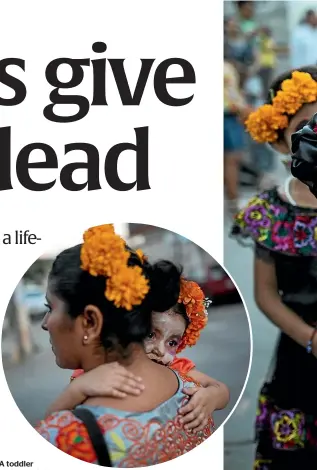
{"points": [[185, 151]]}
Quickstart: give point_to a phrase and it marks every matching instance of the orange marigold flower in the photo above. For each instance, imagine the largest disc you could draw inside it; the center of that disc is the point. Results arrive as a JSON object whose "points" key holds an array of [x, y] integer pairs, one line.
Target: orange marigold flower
{"points": [[141, 255], [94, 230], [104, 253], [295, 92], [287, 102], [264, 123], [193, 298], [127, 287]]}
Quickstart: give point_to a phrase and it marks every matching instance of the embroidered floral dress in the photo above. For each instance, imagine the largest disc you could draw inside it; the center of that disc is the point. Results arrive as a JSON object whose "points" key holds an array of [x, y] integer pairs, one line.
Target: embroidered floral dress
{"points": [[134, 439], [286, 422]]}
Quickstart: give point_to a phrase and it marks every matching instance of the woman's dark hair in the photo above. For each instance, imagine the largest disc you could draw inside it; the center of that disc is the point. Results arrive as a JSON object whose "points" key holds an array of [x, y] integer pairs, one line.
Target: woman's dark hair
{"points": [[240, 3], [77, 288], [277, 83], [309, 14]]}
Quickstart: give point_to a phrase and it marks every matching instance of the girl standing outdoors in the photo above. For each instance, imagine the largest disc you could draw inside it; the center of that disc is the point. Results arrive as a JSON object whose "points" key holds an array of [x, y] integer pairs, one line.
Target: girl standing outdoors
{"points": [[282, 224]]}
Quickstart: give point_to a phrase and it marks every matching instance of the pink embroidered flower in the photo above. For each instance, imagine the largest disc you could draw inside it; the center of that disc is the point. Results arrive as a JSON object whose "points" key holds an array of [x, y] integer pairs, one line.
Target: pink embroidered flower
{"points": [[282, 236]]}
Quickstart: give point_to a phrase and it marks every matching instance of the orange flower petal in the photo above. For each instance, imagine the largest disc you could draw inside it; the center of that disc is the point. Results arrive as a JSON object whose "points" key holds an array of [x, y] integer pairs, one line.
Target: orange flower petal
{"points": [[104, 254], [192, 296]]}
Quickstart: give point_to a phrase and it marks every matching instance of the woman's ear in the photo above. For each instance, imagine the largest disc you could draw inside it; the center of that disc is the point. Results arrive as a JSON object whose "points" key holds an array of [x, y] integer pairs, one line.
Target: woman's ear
{"points": [[281, 147], [92, 322]]}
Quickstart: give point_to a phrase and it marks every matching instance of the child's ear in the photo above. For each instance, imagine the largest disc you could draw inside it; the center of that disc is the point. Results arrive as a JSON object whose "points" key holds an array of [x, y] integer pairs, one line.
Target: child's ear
{"points": [[281, 147]]}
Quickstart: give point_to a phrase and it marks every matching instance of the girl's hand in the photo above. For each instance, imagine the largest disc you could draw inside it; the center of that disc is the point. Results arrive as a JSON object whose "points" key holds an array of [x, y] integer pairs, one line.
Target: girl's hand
{"points": [[198, 411], [109, 380]]}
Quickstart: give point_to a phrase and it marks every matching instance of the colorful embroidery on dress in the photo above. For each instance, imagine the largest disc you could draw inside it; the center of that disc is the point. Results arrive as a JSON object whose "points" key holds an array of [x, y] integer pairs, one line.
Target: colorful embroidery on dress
{"points": [[262, 464], [71, 436], [277, 225], [133, 439], [262, 414], [132, 444], [288, 429]]}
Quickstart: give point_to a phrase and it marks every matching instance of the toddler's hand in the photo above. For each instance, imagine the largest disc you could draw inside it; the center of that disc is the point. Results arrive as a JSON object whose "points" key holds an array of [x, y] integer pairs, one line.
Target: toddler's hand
{"points": [[198, 411], [109, 380]]}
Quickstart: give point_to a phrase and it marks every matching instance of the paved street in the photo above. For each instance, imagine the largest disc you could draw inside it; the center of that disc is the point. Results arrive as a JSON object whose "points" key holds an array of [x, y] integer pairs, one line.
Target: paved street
{"points": [[239, 429], [223, 353]]}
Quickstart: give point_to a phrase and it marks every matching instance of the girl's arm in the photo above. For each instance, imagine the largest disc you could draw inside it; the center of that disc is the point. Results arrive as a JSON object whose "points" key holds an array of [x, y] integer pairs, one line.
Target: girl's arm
{"points": [[107, 380], [71, 397], [218, 392], [203, 401], [270, 303]]}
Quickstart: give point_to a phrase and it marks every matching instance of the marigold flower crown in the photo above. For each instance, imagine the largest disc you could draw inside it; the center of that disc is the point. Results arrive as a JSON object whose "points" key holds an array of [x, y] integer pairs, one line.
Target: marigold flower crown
{"points": [[104, 253], [196, 305], [264, 123]]}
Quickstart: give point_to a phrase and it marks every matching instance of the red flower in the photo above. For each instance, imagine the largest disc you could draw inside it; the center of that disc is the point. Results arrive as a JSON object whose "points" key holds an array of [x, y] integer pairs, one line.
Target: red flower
{"points": [[192, 297], [74, 440]]}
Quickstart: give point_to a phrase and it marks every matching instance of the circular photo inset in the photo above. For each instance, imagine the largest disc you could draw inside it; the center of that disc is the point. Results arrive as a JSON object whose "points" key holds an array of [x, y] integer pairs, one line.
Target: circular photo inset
{"points": [[127, 350]]}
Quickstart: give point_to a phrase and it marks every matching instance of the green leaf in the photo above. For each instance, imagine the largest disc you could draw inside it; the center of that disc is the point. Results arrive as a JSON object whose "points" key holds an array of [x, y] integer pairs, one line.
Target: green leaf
{"points": [[117, 455], [117, 441]]}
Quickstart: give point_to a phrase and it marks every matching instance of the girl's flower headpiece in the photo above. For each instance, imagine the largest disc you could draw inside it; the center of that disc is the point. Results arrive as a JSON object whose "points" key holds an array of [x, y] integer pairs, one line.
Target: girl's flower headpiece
{"points": [[196, 306], [264, 123], [104, 253]]}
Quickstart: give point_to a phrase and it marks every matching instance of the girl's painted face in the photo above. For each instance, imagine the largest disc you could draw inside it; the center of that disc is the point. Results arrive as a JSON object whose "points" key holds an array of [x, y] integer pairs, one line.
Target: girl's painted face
{"points": [[168, 329]]}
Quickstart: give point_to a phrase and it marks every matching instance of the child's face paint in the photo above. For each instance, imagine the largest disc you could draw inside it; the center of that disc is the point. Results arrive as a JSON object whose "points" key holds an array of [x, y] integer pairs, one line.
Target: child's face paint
{"points": [[168, 329]]}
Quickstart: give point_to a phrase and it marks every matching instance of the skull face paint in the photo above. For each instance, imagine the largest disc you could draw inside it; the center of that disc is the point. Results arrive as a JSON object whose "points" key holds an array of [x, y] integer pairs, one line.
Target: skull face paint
{"points": [[168, 329]]}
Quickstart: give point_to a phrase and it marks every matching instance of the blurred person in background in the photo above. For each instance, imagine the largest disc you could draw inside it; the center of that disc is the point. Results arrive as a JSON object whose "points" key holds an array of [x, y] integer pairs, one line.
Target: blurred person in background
{"points": [[239, 48], [247, 22], [235, 112], [266, 58], [281, 222], [302, 43], [262, 158]]}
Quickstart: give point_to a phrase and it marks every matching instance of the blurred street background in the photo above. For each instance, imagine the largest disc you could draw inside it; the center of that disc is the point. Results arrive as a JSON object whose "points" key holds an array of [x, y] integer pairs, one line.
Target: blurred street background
{"points": [[223, 350], [262, 40]]}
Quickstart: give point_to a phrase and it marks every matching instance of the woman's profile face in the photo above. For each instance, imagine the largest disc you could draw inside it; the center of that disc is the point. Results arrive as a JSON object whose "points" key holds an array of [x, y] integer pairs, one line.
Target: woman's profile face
{"points": [[62, 331], [168, 329]]}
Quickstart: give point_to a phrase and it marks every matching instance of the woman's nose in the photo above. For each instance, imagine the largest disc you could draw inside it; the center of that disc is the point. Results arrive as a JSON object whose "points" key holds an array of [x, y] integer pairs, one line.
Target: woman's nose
{"points": [[44, 323]]}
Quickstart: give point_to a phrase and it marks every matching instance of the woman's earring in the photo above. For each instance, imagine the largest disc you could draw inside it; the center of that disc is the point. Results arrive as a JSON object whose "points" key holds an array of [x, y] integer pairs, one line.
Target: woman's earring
{"points": [[85, 338]]}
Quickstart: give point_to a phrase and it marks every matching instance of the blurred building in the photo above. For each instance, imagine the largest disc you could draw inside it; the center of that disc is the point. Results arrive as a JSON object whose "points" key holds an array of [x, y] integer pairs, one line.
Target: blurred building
{"points": [[158, 243]]}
